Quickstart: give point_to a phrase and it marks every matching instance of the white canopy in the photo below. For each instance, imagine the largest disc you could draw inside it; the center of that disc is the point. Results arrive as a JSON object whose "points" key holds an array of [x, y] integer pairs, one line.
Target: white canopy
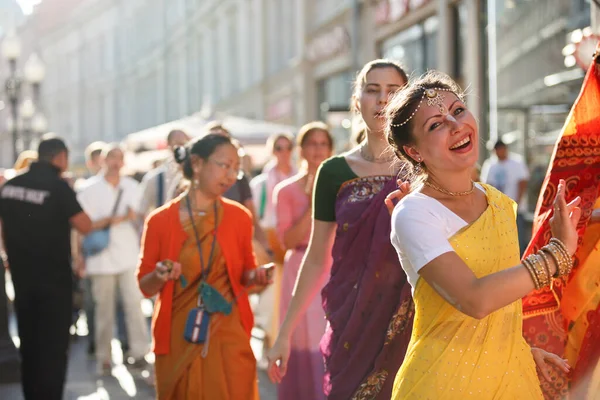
{"points": [[247, 131], [150, 145]]}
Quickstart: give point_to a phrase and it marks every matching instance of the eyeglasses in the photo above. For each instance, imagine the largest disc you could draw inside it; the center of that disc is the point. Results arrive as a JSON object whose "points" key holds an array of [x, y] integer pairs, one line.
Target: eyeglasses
{"points": [[225, 166]]}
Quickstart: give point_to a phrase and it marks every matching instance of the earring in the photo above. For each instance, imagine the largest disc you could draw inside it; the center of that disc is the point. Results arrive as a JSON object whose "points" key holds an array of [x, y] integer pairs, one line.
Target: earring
{"points": [[418, 170], [196, 183]]}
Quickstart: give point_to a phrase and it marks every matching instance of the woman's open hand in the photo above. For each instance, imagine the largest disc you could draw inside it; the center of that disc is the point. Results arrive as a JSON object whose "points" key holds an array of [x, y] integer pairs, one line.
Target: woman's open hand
{"points": [[565, 218], [398, 194], [543, 360]]}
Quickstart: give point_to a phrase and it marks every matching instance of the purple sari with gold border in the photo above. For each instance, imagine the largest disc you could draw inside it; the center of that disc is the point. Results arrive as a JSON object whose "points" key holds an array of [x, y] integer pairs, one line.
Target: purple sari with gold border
{"points": [[367, 301]]}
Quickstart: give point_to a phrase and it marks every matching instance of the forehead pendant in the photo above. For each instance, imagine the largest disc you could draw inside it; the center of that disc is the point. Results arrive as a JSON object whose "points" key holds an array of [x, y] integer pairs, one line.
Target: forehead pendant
{"points": [[435, 99]]}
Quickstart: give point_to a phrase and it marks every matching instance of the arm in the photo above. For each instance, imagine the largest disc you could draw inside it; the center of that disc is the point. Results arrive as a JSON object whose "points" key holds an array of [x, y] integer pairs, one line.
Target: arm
{"points": [[313, 272], [476, 297], [150, 281], [71, 207], [290, 232], [452, 279], [98, 224]]}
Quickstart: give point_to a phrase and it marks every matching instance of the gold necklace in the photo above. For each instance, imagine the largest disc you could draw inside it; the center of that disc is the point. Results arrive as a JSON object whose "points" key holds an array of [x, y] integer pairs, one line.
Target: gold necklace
{"points": [[456, 194]]}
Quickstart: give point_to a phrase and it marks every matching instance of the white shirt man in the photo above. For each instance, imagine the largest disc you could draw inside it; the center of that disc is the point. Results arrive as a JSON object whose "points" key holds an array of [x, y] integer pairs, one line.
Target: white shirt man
{"points": [[507, 173], [114, 267], [98, 197]]}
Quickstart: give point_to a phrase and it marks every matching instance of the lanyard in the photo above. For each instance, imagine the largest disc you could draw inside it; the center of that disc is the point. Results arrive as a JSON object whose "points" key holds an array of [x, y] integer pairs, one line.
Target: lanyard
{"points": [[203, 271]]}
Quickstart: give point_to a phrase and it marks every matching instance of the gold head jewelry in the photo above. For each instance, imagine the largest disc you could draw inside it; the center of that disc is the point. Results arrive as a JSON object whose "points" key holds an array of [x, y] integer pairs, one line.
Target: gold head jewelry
{"points": [[434, 99]]}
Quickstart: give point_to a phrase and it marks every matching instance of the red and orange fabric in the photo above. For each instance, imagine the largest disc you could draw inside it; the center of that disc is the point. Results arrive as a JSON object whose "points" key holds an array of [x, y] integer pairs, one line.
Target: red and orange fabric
{"points": [[560, 319]]}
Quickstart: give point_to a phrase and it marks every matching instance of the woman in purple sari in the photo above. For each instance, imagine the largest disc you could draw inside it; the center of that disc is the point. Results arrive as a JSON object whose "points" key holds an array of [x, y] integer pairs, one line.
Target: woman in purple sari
{"points": [[367, 300]]}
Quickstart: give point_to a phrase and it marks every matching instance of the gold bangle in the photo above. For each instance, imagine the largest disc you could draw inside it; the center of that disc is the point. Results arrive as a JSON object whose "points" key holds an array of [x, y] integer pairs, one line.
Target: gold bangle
{"points": [[567, 260], [560, 244], [543, 278], [546, 265], [563, 248], [545, 249], [534, 278]]}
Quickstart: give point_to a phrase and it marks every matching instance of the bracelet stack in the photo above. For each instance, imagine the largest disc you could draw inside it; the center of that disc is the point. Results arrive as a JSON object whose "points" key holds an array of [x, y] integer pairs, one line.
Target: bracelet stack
{"points": [[538, 264]]}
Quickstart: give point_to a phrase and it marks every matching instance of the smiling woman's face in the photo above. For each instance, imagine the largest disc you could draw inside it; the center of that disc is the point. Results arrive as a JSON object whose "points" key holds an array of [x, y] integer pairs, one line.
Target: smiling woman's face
{"points": [[445, 133]]}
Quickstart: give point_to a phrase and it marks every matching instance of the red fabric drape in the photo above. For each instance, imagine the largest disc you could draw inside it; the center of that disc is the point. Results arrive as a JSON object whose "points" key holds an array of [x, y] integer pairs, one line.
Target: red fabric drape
{"points": [[576, 159]]}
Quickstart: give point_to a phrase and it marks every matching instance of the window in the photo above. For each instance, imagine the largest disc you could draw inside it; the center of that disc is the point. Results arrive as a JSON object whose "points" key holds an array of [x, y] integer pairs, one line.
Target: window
{"points": [[415, 47]]}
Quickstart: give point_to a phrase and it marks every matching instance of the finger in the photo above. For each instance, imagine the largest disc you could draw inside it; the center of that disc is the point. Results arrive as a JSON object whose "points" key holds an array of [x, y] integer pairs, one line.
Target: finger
{"points": [[556, 203], [275, 372], [575, 216], [161, 269], [546, 373], [271, 370], [574, 203], [389, 204], [283, 364], [562, 202], [559, 362], [405, 187]]}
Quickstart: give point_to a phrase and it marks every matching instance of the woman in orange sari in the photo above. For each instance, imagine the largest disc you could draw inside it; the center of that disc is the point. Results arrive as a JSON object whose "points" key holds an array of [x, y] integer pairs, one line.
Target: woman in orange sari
{"points": [[197, 256]]}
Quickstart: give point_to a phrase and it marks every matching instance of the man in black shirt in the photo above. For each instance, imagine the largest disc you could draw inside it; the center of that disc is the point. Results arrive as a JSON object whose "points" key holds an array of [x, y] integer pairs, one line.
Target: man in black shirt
{"points": [[37, 211]]}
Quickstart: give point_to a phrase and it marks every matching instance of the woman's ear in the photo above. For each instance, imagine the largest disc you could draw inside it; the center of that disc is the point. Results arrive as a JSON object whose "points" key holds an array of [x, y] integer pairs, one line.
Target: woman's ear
{"points": [[412, 153], [197, 163]]}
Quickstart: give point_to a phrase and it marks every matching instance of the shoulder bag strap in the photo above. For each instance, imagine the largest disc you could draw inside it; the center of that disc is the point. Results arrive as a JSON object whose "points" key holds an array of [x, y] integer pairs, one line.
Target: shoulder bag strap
{"points": [[160, 195], [116, 206]]}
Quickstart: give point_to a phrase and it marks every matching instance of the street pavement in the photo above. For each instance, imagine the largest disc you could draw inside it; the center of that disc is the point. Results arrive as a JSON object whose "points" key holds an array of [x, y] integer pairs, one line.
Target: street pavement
{"points": [[124, 384], [84, 384]]}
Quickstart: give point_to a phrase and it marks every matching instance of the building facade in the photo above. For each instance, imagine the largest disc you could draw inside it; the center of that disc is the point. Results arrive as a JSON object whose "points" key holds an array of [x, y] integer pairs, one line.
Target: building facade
{"points": [[116, 68]]}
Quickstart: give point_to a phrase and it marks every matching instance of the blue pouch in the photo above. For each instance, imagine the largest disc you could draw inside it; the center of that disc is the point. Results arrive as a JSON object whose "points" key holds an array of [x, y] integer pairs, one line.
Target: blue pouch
{"points": [[196, 326], [95, 242]]}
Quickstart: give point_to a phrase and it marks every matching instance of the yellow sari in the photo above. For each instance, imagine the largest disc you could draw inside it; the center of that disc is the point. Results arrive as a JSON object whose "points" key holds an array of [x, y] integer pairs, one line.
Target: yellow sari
{"points": [[454, 356], [228, 372]]}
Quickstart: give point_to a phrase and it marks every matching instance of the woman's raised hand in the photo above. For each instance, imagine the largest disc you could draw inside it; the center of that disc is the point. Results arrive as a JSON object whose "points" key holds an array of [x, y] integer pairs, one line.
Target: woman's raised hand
{"points": [[565, 218], [167, 270], [398, 194]]}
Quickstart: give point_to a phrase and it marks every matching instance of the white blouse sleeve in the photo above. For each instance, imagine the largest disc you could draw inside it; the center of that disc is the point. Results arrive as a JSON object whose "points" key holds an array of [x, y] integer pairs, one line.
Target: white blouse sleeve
{"points": [[418, 234]]}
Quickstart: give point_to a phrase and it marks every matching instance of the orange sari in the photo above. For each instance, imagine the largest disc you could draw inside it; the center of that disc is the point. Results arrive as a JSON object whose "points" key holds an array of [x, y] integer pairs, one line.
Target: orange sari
{"points": [[563, 320], [228, 372]]}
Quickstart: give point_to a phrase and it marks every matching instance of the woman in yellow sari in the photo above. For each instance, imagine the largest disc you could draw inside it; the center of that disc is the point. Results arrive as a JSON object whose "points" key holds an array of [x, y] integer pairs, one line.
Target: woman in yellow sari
{"points": [[457, 242], [209, 240]]}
